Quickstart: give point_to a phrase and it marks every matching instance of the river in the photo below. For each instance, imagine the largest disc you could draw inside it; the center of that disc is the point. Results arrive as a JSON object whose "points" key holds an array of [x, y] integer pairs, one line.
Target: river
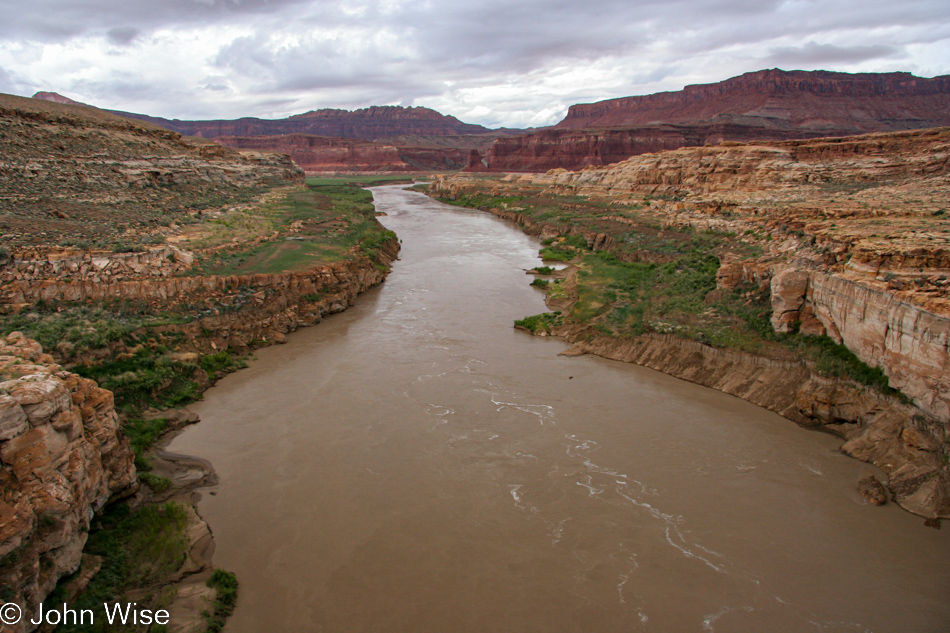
{"points": [[415, 464]]}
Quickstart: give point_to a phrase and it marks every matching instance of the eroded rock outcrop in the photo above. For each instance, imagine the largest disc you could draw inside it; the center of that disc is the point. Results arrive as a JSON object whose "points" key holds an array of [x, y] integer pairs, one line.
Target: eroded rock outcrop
{"points": [[910, 344], [848, 238], [63, 459]]}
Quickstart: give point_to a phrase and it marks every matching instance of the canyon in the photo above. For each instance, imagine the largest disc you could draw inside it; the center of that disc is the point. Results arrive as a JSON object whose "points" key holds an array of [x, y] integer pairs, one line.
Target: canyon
{"points": [[379, 138], [849, 240], [767, 105], [128, 246]]}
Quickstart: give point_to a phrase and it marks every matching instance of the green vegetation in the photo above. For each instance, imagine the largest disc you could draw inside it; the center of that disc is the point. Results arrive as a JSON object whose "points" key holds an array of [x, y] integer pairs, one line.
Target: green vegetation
{"points": [[74, 330], [155, 482], [539, 322], [543, 270], [226, 585], [540, 283], [314, 225], [662, 280], [483, 201], [139, 549]]}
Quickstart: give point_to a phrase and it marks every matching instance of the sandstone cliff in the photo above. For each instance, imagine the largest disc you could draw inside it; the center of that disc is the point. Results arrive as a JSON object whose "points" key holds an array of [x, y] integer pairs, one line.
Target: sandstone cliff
{"points": [[830, 102], [848, 236], [62, 461], [768, 105]]}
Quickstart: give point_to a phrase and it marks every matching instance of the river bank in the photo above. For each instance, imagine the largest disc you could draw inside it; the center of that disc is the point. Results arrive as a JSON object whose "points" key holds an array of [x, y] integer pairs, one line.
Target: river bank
{"points": [[475, 479], [159, 342], [723, 312]]}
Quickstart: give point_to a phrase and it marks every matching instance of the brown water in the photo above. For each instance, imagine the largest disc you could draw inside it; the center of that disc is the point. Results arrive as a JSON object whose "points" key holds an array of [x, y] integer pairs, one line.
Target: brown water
{"points": [[416, 465]]}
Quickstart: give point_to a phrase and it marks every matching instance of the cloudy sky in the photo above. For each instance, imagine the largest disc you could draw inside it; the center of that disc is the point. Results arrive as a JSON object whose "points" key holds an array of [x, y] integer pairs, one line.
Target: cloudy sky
{"points": [[513, 63]]}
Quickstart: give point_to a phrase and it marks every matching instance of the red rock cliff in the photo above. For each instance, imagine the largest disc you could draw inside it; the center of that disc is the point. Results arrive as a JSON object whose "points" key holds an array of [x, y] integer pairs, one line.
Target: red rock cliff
{"points": [[768, 105], [325, 154], [373, 123]]}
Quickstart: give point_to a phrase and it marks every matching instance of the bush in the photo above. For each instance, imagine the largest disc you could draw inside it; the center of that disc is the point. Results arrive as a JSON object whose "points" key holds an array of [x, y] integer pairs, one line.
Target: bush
{"points": [[226, 585], [539, 322]]}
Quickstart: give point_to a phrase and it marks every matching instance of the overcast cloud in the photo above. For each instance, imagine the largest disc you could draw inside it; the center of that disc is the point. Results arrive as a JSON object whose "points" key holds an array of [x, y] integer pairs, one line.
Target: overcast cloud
{"points": [[514, 63]]}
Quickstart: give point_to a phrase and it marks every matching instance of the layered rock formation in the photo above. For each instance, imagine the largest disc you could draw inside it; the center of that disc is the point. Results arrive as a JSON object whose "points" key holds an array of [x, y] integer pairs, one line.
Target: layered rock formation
{"points": [[62, 459], [765, 105], [382, 138], [317, 154], [249, 308], [829, 102], [94, 267], [73, 174], [854, 244], [376, 122]]}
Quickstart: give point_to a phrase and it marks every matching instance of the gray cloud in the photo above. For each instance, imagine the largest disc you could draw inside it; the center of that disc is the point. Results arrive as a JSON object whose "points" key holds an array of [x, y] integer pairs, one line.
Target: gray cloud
{"points": [[812, 54], [476, 56], [122, 35]]}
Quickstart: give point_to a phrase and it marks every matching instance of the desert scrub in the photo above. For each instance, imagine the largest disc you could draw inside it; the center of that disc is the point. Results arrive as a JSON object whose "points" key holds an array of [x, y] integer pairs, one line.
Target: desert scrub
{"points": [[74, 330], [221, 362], [309, 226], [155, 482], [149, 378], [482, 201], [625, 297]]}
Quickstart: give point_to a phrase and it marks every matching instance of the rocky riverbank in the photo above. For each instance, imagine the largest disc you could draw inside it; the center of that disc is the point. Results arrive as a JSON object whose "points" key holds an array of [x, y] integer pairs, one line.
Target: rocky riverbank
{"points": [[810, 277], [65, 456]]}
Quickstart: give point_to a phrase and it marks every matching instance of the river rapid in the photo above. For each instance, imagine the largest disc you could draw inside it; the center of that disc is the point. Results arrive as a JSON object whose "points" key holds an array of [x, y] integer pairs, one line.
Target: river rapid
{"points": [[415, 464]]}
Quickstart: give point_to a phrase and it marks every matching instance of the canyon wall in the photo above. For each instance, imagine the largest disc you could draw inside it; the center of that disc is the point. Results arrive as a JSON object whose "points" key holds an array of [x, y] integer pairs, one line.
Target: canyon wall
{"points": [[62, 460], [847, 236], [317, 154], [376, 122], [911, 344], [768, 105], [237, 309], [832, 102], [94, 267]]}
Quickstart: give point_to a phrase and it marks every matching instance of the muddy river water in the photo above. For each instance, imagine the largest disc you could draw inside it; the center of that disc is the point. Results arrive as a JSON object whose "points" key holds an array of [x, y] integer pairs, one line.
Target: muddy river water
{"points": [[415, 464]]}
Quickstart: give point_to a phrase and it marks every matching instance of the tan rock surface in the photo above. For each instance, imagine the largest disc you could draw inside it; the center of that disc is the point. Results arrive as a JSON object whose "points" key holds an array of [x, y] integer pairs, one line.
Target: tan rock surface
{"points": [[62, 460]]}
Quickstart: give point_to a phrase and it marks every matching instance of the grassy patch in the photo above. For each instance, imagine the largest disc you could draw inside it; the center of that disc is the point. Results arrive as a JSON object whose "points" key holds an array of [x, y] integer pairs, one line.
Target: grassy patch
{"points": [[139, 548], [312, 226]]}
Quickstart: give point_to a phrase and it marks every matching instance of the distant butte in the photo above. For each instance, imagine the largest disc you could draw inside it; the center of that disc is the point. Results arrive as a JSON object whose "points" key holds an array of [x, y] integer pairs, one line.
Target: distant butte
{"points": [[768, 105], [378, 138]]}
